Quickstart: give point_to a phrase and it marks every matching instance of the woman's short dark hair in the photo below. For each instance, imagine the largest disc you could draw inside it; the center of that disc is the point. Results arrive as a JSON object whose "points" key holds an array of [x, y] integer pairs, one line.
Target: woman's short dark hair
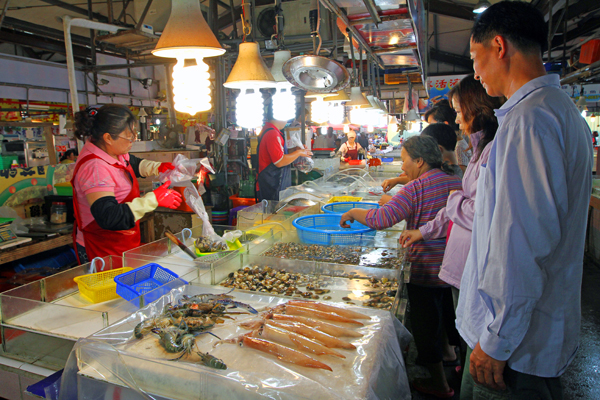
{"points": [[68, 153], [477, 108], [426, 148], [443, 134], [521, 23], [442, 113], [111, 118]]}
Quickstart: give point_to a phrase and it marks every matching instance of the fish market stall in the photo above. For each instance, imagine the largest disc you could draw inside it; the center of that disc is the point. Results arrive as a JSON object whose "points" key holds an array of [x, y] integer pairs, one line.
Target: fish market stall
{"points": [[363, 362], [42, 320], [278, 213]]}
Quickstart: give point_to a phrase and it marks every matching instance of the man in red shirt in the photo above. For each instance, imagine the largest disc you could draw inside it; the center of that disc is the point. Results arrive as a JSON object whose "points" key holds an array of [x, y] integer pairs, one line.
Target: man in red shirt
{"points": [[274, 172]]}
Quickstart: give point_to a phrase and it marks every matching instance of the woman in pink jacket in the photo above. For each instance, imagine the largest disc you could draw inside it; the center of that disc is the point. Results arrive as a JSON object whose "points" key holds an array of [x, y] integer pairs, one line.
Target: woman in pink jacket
{"points": [[475, 117]]}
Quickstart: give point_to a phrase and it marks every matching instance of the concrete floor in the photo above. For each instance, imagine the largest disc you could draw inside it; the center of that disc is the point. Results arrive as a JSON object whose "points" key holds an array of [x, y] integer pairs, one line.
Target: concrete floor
{"points": [[582, 378]]}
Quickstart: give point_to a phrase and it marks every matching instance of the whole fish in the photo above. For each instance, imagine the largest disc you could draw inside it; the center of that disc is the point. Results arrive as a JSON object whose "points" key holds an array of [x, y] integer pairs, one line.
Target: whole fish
{"points": [[311, 313], [275, 334], [326, 327], [327, 308], [312, 333]]}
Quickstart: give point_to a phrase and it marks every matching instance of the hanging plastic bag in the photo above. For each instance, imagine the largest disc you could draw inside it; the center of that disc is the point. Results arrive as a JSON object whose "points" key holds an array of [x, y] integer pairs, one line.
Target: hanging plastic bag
{"points": [[304, 164], [185, 169], [193, 199]]}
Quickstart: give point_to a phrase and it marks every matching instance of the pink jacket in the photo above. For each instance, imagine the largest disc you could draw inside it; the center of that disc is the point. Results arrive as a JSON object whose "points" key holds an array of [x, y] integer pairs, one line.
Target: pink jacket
{"points": [[460, 209]]}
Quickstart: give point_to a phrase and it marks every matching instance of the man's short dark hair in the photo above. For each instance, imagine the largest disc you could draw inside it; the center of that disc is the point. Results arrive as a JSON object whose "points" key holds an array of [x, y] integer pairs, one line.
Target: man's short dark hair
{"points": [[442, 112], [443, 134], [519, 22]]}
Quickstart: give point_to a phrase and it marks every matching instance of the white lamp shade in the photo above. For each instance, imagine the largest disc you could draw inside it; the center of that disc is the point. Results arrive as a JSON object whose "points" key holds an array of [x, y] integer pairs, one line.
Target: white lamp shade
{"points": [[279, 58], [357, 98], [250, 70], [187, 34]]}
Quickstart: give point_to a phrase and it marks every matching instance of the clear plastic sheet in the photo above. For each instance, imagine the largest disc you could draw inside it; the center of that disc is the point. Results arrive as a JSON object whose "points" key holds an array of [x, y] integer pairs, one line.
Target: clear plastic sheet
{"points": [[375, 370]]}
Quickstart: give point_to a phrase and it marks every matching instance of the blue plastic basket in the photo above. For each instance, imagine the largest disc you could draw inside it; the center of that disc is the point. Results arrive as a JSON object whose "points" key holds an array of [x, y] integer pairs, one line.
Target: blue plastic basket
{"points": [[342, 207], [142, 280], [325, 229]]}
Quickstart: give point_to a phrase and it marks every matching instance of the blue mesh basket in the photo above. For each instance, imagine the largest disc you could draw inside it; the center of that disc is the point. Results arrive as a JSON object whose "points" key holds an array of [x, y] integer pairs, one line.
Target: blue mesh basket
{"points": [[142, 280], [325, 229], [387, 159], [340, 208]]}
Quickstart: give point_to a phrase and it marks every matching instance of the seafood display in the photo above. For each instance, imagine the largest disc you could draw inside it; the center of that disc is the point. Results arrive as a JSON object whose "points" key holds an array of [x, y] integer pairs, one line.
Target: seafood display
{"points": [[281, 282], [351, 255], [207, 245], [289, 336], [179, 324]]}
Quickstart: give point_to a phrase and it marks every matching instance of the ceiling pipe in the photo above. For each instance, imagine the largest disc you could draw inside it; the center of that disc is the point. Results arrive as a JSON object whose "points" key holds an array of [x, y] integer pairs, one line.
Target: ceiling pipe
{"points": [[372, 8], [68, 22], [331, 6]]}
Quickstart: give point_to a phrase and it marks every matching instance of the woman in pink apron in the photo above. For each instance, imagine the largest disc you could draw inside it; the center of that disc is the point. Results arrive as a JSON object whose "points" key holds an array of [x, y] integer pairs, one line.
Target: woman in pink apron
{"points": [[106, 195]]}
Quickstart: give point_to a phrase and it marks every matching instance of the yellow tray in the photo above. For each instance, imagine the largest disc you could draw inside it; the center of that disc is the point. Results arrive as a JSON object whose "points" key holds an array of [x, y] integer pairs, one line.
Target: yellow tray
{"points": [[341, 199], [100, 286]]}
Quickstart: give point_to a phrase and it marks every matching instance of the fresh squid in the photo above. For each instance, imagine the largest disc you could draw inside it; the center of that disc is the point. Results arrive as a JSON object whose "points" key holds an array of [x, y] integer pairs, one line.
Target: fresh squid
{"points": [[327, 308], [312, 313], [312, 333], [326, 327], [282, 352], [273, 333]]}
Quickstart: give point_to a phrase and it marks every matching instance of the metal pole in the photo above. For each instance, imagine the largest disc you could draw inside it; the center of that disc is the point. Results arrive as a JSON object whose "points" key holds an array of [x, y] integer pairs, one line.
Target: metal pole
{"points": [[109, 10], [352, 55], [550, 15], [233, 21], [564, 57], [129, 76], [143, 16], [4, 12], [170, 103]]}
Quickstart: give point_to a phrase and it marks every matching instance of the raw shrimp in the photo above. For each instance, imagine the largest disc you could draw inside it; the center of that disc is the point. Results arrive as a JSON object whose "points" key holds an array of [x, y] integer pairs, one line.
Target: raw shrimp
{"points": [[327, 308], [326, 327], [312, 333], [211, 361]]}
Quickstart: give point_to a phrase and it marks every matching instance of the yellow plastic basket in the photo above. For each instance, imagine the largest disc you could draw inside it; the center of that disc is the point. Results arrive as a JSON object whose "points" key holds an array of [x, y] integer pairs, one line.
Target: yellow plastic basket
{"points": [[341, 199], [100, 286]]}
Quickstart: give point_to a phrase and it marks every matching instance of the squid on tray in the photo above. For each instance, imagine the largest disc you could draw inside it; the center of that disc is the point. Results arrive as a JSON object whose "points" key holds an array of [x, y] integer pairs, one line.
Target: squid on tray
{"points": [[327, 308], [268, 330], [290, 309], [282, 352], [325, 327]]}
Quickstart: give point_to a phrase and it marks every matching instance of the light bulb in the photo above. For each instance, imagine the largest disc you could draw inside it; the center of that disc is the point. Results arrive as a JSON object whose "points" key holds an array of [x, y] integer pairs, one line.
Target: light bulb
{"points": [[249, 109], [318, 111], [191, 87], [346, 128], [324, 130], [142, 120], [370, 129], [284, 103], [157, 121], [336, 113], [357, 116], [583, 113], [593, 117]]}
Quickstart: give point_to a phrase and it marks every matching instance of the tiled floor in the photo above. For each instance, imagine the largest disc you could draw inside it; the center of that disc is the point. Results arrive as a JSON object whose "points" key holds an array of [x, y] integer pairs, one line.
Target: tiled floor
{"points": [[581, 381]]}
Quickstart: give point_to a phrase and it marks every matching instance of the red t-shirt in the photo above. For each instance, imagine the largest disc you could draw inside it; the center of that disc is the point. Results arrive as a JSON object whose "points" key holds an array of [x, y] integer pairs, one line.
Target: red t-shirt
{"points": [[271, 146]]}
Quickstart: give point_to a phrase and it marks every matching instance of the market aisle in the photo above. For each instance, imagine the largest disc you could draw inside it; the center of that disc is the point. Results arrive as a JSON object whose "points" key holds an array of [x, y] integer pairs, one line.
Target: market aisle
{"points": [[582, 379]]}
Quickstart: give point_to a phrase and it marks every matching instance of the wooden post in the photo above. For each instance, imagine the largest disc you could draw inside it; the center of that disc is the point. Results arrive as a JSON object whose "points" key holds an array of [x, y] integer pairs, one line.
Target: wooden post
{"points": [[50, 145]]}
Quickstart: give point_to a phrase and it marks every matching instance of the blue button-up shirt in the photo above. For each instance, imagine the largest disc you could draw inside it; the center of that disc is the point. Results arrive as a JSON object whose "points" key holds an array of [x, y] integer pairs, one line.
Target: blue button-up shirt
{"points": [[520, 291]]}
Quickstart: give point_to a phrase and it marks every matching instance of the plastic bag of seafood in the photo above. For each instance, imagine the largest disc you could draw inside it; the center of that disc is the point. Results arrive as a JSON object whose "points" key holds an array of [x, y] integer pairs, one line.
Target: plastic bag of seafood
{"points": [[364, 360]]}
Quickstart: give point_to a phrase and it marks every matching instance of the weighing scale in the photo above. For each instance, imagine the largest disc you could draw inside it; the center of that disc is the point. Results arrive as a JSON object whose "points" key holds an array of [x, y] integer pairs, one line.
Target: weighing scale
{"points": [[7, 236]]}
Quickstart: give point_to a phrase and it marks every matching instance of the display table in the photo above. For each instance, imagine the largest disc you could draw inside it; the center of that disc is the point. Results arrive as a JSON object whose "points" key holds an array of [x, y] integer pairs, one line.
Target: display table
{"points": [[35, 247], [111, 358]]}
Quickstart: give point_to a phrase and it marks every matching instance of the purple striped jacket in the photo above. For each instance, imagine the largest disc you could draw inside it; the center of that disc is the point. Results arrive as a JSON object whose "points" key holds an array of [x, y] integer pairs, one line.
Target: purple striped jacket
{"points": [[418, 202]]}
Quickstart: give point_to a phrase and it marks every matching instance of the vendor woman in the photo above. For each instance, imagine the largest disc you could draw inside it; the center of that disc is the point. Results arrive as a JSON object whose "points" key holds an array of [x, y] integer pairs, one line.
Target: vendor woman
{"points": [[106, 195], [430, 298], [350, 149]]}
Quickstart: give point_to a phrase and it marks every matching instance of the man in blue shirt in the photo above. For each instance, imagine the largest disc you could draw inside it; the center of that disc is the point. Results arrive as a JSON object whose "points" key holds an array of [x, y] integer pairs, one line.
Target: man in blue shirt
{"points": [[519, 306]]}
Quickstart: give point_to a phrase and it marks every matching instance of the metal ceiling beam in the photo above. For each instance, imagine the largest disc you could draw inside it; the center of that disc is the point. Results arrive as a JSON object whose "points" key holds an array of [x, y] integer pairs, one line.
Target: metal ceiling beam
{"points": [[333, 7], [451, 10], [225, 20], [583, 29], [143, 16], [75, 9], [41, 43], [372, 9], [450, 58]]}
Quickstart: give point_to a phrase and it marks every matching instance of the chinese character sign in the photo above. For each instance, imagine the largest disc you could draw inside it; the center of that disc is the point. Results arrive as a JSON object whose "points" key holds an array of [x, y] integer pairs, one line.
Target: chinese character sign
{"points": [[439, 86]]}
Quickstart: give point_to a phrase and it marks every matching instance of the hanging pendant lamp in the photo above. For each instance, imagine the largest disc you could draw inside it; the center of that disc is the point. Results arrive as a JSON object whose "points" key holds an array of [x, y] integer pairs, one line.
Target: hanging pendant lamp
{"points": [[284, 101], [250, 70], [357, 98], [186, 36]]}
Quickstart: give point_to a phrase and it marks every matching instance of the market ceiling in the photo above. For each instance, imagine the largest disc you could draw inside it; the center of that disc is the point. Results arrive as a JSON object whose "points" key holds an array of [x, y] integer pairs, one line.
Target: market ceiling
{"points": [[35, 26]]}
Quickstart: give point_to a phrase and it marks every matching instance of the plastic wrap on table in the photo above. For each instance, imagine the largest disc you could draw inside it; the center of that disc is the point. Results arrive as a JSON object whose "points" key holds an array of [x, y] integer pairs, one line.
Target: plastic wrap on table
{"points": [[374, 370]]}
